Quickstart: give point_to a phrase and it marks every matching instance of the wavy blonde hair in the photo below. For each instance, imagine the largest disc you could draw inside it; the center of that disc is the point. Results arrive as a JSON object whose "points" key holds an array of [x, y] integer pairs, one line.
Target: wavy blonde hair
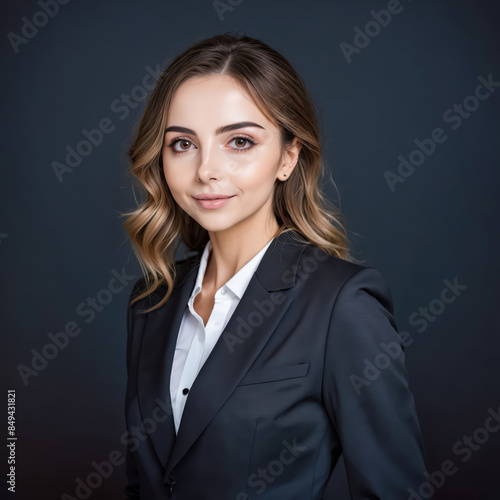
{"points": [[158, 225]]}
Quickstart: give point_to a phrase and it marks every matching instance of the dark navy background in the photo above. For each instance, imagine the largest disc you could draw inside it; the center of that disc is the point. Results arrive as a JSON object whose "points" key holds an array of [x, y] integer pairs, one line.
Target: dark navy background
{"points": [[61, 239]]}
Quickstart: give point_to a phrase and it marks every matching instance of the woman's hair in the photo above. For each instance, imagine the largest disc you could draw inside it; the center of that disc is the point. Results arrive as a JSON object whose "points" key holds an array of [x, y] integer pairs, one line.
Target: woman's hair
{"points": [[158, 225]]}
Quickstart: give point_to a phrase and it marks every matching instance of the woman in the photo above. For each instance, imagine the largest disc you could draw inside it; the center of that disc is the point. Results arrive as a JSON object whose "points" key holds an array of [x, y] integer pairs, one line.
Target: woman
{"points": [[247, 360]]}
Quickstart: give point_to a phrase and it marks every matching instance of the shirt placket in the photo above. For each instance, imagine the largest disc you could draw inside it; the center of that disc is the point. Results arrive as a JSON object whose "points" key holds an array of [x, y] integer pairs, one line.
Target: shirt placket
{"points": [[188, 373], [203, 340]]}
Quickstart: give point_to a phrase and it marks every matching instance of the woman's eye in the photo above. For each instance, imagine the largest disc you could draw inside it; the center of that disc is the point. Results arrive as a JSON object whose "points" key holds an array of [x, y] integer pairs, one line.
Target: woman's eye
{"points": [[240, 142], [182, 144]]}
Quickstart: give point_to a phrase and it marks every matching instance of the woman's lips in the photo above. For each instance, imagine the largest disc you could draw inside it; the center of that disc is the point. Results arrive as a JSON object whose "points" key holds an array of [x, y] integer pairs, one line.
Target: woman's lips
{"points": [[210, 204]]}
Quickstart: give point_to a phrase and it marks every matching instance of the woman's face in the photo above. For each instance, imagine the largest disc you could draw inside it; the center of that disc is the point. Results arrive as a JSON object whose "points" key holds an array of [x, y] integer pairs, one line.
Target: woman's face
{"points": [[218, 142]]}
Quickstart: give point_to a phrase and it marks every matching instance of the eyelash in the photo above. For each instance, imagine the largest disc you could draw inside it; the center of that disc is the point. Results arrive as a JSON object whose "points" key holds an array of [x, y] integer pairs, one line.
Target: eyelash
{"points": [[173, 142]]}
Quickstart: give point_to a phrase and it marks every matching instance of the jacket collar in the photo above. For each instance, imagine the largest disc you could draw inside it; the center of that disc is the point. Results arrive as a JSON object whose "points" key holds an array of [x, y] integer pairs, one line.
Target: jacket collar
{"points": [[230, 359]]}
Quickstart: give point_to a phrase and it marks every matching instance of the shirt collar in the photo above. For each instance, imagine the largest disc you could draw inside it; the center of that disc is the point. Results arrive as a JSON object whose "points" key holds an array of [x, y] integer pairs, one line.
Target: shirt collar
{"points": [[238, 283]]}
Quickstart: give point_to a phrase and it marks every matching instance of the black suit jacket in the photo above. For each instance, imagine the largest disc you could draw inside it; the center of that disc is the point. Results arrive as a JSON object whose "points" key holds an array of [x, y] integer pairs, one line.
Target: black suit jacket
{"points": [[309, 366]]}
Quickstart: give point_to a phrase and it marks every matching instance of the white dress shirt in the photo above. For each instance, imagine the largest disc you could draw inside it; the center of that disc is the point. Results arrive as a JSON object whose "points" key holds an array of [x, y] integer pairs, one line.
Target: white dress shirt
{"points": [[195, 340]]}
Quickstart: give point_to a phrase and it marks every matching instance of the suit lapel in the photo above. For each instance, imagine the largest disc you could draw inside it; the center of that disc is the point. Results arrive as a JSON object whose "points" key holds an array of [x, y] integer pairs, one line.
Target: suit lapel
{"points": [[155, 364], [230, 359]]}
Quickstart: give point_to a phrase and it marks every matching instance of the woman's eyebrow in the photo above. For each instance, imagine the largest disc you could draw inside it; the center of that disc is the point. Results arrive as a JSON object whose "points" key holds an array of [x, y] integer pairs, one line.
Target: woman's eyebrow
{"points": [[220, 130]]}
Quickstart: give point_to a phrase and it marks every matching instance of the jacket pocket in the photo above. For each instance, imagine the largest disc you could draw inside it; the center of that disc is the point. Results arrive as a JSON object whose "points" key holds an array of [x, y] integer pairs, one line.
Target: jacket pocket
{"points": [[273, 374]]}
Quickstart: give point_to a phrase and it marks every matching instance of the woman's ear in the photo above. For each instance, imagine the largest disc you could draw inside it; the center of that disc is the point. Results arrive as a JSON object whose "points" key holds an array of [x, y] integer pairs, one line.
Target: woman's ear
{"points": [[289, 159]]}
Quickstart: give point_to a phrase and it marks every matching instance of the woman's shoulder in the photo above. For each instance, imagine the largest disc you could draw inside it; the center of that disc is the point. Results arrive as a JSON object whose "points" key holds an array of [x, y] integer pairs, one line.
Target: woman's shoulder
{"points": [[331, 272], [183, 268], [315, 258]]}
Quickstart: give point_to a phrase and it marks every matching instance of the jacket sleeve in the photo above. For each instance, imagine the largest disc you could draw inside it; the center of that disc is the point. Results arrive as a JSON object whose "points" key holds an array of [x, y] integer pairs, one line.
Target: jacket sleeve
{"points": [[131, 470], [366, 393]]}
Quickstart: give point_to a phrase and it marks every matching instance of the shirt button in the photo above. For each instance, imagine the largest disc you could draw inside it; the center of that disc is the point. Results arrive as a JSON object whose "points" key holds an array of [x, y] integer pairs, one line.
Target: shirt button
{"points": [[185, 391], [223, 292]]}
